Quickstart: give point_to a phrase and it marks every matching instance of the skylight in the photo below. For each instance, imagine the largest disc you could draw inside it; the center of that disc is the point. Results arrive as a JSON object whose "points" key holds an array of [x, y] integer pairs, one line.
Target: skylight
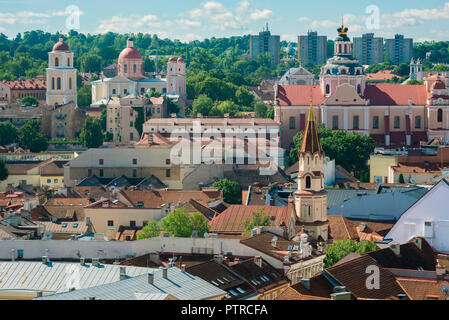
{"points": [[214, 283], [233, 293], [240, 290]]}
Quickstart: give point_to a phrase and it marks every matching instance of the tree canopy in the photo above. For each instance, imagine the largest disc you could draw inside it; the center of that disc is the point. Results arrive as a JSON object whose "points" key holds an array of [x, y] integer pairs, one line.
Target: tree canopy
{"points": [[31, 137], [151, 230], [3, 171], [259, 218], [339, 249], [231, 190], [180, 224], [8, 133], [91, 135], [350, 150]]}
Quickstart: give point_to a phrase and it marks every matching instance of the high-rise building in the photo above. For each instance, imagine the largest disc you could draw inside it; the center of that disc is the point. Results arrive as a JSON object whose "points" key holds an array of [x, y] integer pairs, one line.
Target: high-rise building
{"points": [[398, 50], [312, 48], [368, 49], [265, 43]]}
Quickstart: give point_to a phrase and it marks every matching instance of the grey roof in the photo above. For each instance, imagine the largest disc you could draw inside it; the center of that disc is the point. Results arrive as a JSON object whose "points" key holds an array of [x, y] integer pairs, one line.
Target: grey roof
{"points": [[336, 197], [375, 207], [56, 277], [179, 284]]}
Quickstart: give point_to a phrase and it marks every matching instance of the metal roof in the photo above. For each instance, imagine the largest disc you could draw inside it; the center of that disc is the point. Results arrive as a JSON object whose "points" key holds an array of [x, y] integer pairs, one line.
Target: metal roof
{"points": [[179, 284], [56, 277]]}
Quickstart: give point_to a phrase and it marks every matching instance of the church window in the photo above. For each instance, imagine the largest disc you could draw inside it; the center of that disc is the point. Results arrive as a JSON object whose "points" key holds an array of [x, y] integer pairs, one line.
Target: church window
{"points": [[70, 83], [125, 68], [56, 62], [358, 72], [334, 122], [417, 122], [339, 48], [355, 124], [328, 88], [308, 182], [292, 123], [328, 71], [359, 89], [375, 122], [397, 122], [58, 83], [440, 115], [68, 62], [113, 91], [316, 160], [135, 68], [309, 207], [343, 71], [53, 83]]}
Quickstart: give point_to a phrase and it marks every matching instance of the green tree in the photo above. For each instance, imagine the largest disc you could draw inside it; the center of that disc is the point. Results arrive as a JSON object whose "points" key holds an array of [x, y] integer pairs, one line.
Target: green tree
{"points": [[8, 133], [231, 190], [91, 135], [198, 223], [203, 104], [3, 170], [401, 178], [172, 106], [259, 218], [84, 95], [244, 97], [31, 137], [103, 119], [260, 109], [403, 69], [350, 150], [339, 249], [29, 101], [225, 107], [90, 63], [151, 230]]}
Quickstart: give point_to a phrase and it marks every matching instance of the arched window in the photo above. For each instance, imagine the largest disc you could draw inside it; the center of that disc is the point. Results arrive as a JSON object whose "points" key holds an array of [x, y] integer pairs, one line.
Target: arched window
{"points": [[328, 89], [292, 123], [135, 68], [308, 182], [355, 123], [418, 122], [359, 89], [125, 68], [343, 71], [68, 62], [328, 71], [70, 83], [339, 48], [440, 115], [56, 62], [334, 122], [58, 83], [53, 83]]}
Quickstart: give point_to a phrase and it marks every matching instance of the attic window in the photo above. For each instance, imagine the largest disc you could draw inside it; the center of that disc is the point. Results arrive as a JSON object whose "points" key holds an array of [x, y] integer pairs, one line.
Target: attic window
{"points": [[64, 225], [139, 203], [75, 225]]}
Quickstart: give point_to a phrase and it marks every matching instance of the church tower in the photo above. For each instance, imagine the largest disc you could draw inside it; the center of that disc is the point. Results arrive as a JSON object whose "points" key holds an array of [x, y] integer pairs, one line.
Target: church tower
{"points": [[311, 198], [61, 76]]}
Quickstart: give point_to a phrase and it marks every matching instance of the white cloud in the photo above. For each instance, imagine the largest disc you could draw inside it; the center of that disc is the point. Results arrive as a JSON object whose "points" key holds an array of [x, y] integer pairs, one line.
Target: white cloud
{"points": [[302, 19], [30, 17], [261, 14], [323, 24]]}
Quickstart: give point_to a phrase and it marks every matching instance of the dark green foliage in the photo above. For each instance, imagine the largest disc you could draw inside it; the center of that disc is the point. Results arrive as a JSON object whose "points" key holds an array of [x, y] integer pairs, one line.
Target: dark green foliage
{"points": [[8, 133], [140, 119], [91, 135], [259, 218], [350, 150], [3, 171], [231, 190], [84, 95], [180, 224], [32, 138], [401, 178], [172, 107], [29, 101]]}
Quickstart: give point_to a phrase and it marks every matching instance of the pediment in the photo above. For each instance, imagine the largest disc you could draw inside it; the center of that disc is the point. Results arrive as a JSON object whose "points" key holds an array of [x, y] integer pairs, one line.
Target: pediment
{"points": [[345, 94]]}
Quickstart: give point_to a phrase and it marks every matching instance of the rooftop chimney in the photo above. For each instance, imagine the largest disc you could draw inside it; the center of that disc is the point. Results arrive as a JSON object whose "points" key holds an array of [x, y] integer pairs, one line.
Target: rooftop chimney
{"points": [[305, 283], [13, 254], [183, 268], [122, 273], [396, 247], [45, 259], [130, 43], [258, 261], [82, 261], [95, 262], [164, 273], [219, 258], [150, 278]]}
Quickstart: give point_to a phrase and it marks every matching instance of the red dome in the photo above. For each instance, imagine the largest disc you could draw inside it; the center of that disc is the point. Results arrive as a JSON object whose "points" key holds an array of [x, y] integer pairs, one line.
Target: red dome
{"points": [[130, 53], [180, 60], [60, 46], [172, 59]]}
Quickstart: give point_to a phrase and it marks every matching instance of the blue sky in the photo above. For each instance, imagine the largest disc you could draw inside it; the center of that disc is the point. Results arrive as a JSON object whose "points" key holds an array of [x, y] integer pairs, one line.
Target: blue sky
{"points": [[195, 19]]}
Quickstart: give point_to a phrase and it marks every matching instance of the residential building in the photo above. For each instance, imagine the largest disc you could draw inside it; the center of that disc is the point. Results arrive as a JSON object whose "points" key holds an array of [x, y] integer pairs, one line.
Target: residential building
{"points": [[265, 43], [393, 115], [398, 50], [368, 49], [298, 76], [14, 91], [312, 49], [61, 76], [19, 115], [426, 218], [63, 121]]}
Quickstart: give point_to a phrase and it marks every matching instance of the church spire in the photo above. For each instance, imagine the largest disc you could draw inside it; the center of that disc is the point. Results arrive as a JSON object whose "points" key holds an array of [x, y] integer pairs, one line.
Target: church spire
{"points": [[311, 140]]}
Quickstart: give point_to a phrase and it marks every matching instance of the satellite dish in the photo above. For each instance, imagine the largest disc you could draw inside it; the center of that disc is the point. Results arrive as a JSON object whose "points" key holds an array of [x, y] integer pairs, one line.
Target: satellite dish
{"points": [[445, 290]]}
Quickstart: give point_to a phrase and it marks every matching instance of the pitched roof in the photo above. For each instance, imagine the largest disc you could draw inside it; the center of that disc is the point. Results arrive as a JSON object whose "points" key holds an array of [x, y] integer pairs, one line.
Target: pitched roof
{"points": [[311, 140], [69, 227], [233, 218], [320, 289], [421, 289], [156, 198], [179, 284], [54, 168], [341, 228], [352, 275]]}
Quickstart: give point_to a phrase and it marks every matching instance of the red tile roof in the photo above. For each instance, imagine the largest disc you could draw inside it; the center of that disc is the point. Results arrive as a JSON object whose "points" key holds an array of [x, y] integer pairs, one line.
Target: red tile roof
{"points": [[233, 218], [378, 94], [26, 84], [381, 75]]}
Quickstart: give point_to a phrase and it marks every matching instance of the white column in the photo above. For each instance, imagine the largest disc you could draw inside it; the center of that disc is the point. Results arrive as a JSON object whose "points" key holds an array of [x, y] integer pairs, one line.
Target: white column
{"points": [[324, 116], [345, 118], [366, 124]]}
